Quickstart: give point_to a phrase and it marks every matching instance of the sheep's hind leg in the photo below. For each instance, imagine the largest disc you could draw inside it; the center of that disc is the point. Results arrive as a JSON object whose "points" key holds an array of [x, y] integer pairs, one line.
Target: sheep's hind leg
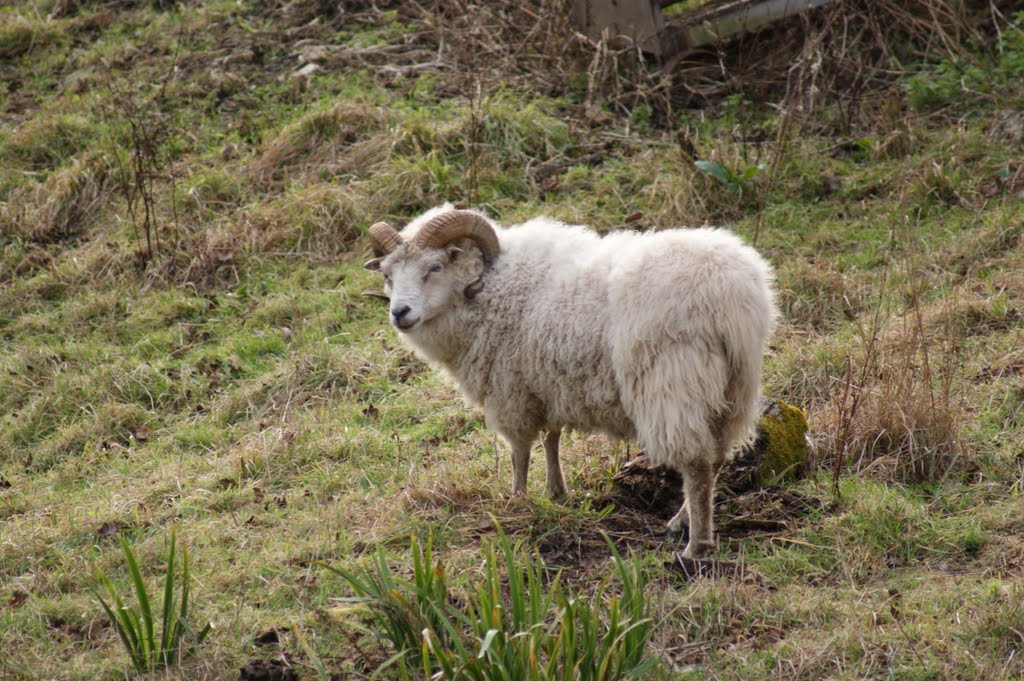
{"points": [[680, 521], [555, 481], [699, 488]]}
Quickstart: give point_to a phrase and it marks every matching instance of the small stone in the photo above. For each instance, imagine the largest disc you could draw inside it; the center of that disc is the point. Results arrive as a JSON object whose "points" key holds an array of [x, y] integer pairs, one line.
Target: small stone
{"points": [[307, 70]]}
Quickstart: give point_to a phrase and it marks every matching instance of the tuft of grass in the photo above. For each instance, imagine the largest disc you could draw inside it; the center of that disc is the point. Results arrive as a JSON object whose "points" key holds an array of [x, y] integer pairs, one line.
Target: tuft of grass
{"points": [[20, 35], [319, 137], [136, 625], [318, 219], [48, 141], [64, 205]]}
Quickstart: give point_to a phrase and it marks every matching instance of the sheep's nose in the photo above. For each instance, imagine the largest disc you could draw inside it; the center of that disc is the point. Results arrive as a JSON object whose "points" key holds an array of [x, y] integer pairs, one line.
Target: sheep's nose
{"points": [[400, 312]]}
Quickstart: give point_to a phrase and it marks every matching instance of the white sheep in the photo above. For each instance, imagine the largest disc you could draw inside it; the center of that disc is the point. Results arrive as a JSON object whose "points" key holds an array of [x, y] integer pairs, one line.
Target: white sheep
{"points": [[546, 326]]}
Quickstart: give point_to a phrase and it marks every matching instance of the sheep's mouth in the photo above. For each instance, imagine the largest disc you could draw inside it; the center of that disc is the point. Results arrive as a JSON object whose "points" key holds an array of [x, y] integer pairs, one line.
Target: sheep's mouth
{"points": [[406, 324]]}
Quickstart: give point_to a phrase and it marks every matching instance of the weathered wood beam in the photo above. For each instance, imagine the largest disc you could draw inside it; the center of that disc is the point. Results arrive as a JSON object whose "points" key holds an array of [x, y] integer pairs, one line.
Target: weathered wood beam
{"points": [[637, 20], [641, 21], [720, 20]]}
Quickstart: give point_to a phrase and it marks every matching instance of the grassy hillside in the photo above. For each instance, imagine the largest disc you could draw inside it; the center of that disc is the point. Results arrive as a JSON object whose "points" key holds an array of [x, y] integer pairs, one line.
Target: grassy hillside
{"points": [[184, 193]]}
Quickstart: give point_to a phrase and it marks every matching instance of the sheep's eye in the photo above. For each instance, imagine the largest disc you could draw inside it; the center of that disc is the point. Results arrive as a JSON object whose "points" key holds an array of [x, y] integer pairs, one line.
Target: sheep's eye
{"points": [[387, 280], [434, 269]]}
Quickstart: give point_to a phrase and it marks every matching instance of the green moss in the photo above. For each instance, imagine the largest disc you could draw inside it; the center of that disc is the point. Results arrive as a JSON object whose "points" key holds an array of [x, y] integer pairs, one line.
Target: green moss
{"points": [[784, 428]]}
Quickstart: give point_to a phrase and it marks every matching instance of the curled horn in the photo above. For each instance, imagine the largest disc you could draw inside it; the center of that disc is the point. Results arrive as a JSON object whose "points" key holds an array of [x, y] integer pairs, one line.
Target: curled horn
{"points": [[446, 227], [384, 237]]}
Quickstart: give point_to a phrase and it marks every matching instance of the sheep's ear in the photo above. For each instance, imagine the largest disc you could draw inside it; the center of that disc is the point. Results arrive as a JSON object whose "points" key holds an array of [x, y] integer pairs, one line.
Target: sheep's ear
{"points": [[453, 253], [373, 265]]}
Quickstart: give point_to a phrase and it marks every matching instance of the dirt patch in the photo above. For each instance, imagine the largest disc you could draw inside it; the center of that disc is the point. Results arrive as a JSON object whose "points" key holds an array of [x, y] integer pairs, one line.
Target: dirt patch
{"points": [[634, 522], [578, 549], [695, 569], [652, 490], [268, 670]]}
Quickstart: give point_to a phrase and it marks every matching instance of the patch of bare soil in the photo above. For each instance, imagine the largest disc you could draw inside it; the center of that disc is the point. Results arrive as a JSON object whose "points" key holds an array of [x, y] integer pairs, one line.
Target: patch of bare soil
{"points": [[641, 502], [658, 491], [644, 498], [268, 670]]}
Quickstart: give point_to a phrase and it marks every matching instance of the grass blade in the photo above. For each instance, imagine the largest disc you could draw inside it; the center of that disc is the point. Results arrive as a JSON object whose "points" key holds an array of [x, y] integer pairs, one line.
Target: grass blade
{"points": [[124, 631], [136, 625], [168, 639]]}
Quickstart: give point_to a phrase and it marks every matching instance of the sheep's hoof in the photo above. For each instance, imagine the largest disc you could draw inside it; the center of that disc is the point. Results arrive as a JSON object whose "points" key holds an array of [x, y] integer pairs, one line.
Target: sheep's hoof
{"points": [[558, 494], [697, 550], [677, 533]]}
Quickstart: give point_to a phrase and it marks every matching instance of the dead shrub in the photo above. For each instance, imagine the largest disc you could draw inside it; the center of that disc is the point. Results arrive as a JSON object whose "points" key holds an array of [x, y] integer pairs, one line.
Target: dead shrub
{"points": [[837, 54], [897, 410], [497, 44]]}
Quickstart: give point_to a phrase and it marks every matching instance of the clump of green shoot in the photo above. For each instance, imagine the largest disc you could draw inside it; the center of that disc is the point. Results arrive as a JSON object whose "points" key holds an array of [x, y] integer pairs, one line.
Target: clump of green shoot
{"points": [[136, 625], [516, 622]]}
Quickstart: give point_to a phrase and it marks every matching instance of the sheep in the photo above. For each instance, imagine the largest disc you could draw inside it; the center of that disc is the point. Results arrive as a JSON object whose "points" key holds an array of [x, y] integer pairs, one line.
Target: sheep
{"points": [[657, 337]]}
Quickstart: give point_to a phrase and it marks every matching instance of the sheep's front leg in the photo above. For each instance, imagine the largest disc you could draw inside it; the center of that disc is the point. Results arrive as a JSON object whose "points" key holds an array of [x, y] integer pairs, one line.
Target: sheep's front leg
{"points": [[555, 481], [520, 465], [699, 488]]}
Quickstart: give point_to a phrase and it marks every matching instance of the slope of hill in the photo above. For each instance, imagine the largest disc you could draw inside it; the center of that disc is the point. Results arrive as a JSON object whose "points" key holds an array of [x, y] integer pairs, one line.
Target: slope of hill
{"points": [[184, 193]]}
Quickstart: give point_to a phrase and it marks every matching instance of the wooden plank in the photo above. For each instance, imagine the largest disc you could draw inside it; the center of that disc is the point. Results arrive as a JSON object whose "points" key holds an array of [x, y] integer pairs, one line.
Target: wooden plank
{"points": [[721, 20], [638, 20], [642, 21]]}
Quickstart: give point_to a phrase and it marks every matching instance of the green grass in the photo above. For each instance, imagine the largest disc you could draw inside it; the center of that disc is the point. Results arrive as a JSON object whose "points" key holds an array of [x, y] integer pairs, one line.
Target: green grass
{"points": [[240, 388]]}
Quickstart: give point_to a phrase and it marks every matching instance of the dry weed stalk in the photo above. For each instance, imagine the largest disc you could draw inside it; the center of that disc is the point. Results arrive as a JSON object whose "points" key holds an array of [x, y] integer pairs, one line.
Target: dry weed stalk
{"points": [[148, 130], [473, 140], [899, 414]]}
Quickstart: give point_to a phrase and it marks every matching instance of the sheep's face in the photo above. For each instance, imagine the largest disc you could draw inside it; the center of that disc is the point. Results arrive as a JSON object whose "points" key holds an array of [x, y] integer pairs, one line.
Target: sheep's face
{"points": [[425, 283]]}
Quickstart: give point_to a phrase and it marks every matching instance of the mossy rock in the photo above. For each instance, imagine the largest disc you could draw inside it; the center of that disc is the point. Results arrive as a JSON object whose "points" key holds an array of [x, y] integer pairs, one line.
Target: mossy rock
{"points": [[779, 452]]}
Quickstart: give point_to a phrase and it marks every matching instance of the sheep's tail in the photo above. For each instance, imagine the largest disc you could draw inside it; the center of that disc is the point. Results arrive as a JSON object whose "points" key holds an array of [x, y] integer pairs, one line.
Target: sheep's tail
{"points": [[742, 398], [743, 386]]}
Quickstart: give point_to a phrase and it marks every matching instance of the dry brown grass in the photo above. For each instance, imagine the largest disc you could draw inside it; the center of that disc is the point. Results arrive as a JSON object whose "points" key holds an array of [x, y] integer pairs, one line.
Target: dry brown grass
{"points": [[814, 295], [838, 54]]}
